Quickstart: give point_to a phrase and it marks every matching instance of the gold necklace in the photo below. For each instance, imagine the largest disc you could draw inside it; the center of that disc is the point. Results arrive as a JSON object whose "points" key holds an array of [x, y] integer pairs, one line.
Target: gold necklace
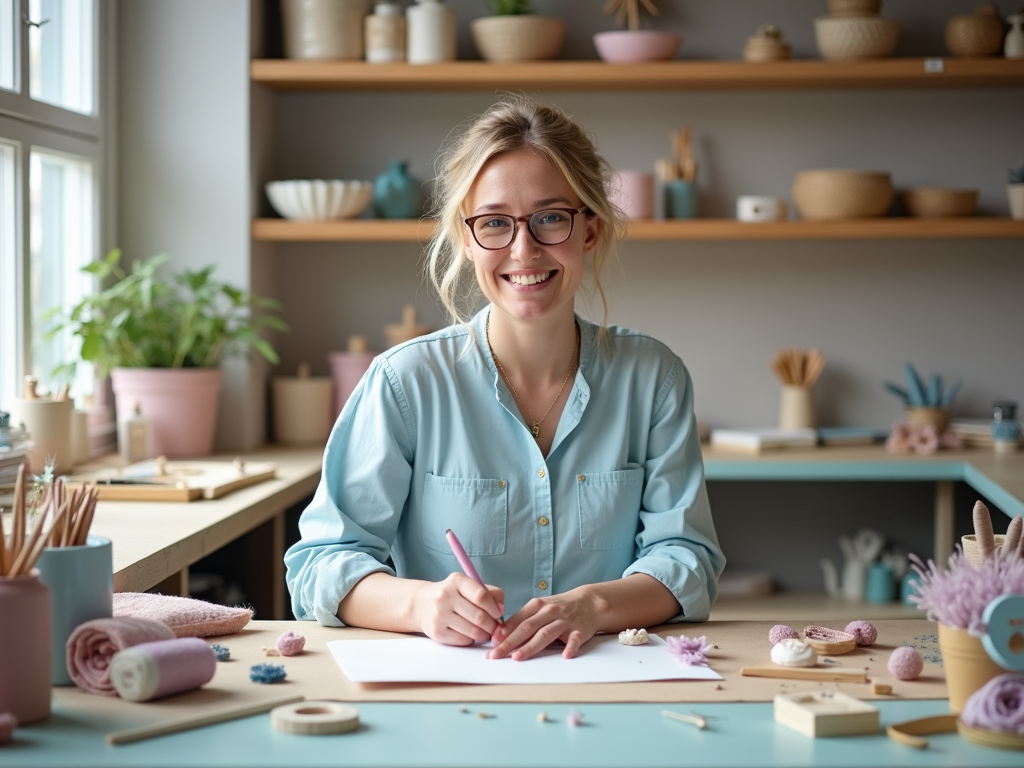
{"points": [[535, 429]]}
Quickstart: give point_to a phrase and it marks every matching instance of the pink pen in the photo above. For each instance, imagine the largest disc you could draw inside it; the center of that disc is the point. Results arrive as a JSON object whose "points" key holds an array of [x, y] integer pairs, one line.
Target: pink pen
{"points": [[463, 558]]}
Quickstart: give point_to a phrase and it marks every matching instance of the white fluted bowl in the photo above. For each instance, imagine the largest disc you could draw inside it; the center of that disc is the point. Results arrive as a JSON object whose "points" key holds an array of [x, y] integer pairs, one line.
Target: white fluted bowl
{"points": [[319, 199]]}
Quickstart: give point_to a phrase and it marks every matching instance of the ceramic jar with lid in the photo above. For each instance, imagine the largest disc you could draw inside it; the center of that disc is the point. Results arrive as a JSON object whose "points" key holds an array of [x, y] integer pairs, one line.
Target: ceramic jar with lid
{"points": [[767, 44], [323, 29], [385, 34], [1005, 427], [431, 32]]}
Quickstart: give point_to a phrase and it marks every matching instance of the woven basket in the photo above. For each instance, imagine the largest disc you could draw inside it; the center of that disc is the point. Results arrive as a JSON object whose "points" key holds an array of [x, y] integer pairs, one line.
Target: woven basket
{"points": [[845, 39], [829, 642], [518, 38], [971, 551], [854, 8], [931, 202], [920, 415], [842, 194], [977, 35]]}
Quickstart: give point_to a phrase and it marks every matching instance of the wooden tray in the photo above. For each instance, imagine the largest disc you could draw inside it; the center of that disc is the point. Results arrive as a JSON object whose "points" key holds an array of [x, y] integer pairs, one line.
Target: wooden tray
{"points": [[158, 480]]}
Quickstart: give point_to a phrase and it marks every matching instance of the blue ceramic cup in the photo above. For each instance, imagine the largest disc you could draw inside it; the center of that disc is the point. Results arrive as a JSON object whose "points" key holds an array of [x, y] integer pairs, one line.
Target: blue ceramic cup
{"points": [[880, 585], [81, 582], [680, 199]]}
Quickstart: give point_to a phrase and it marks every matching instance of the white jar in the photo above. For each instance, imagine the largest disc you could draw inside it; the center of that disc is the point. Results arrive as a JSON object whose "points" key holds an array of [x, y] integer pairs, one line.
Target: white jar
{"points": [[431, 32], [324, 29], [1013, 47], [385, 34]]}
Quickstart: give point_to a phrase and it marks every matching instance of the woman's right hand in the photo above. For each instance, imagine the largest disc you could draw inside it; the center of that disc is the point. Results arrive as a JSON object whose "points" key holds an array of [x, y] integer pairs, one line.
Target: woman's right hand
{"points": [[458, 611]]}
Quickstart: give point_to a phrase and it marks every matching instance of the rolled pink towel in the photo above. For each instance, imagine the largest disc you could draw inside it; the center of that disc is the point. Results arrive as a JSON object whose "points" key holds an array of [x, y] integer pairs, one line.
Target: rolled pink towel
{"points": [[93, 644]]}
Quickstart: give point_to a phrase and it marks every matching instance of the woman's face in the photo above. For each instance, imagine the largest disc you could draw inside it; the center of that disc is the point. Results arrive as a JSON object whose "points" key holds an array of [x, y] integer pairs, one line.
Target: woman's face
{"points": [[527, 280]]}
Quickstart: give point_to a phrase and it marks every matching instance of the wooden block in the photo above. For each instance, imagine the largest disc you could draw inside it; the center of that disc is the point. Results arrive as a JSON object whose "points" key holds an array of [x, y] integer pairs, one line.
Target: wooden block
{"points": [[827, 674], [825, 713], [881, 689]]}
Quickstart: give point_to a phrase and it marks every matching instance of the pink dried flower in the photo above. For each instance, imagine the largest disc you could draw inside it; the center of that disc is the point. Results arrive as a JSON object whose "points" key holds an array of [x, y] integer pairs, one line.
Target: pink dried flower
{"points": [[958, 596], [899, 439], [925, 439], [998, 705], [691, 651], [948, 439], [865, 632], [290, 644]]}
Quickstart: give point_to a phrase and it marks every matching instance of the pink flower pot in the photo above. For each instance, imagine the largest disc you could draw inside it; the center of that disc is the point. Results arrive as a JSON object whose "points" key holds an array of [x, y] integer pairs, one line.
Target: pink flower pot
{"points": [[623, 46], [181, 402], [25, 647]]}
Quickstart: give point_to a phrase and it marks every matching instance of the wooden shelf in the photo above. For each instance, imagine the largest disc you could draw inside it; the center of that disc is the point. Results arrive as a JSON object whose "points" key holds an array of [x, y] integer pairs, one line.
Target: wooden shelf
{"points": [[392, 230], [289, 74]]}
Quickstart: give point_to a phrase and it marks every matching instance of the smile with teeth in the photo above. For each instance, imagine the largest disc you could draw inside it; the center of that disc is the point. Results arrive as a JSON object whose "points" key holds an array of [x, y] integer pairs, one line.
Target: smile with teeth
{"points": [[539, 277]]}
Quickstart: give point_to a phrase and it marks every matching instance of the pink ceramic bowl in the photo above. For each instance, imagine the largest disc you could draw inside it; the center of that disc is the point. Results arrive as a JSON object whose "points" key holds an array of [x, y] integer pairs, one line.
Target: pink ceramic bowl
{"points": [[623, 46]]}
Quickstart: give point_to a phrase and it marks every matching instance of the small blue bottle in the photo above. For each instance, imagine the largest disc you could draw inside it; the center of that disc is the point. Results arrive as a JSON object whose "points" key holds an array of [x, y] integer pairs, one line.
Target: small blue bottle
{"points": [[1005, 427], [396, 194]]}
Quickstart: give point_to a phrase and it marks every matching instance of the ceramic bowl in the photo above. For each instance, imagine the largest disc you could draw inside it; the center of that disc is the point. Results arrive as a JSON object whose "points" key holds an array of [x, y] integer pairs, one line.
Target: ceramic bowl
{"points": [[319, 199], [626, 46], [842, 194], [846, 39], [940, 201]]}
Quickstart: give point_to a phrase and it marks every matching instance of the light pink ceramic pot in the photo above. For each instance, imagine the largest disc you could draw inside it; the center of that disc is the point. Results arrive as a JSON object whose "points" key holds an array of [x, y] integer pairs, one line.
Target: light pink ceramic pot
{"points": [[624, 46], [181, 402], [25, 633]]}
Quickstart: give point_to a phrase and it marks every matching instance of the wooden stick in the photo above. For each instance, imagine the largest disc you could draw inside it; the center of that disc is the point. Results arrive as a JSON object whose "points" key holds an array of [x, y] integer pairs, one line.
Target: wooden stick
{"points": [[911, 731], [3, 547], [37, 530], [18, 524], [198, 721], [697, 720], [85, 518], [31, 553], [827, 674]]}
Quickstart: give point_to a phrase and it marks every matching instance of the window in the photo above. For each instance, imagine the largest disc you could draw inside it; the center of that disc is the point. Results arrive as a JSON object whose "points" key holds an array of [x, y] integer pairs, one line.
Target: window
{"points": [[52, 152]]}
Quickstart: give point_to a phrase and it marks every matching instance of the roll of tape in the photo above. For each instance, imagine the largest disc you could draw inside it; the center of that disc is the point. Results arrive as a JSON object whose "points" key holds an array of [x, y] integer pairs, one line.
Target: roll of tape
{"points": [[1004, 640], [760, 208], [315, 718]]}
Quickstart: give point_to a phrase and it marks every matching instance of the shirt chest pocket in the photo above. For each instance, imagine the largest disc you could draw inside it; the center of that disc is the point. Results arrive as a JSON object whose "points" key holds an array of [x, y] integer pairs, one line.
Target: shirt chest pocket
{"points": [[609, 506], [475, 509]]}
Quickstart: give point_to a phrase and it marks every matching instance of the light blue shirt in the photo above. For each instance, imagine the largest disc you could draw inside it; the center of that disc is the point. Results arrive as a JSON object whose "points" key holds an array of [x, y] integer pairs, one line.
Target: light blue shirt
{"points": [[432, 439]]}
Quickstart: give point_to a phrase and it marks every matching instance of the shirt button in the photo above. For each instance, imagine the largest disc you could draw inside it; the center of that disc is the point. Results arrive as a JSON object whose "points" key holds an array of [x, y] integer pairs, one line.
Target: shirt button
{"points": [[581, 478], [501, 483], [543, 521], [542, 584], [541, 473]]}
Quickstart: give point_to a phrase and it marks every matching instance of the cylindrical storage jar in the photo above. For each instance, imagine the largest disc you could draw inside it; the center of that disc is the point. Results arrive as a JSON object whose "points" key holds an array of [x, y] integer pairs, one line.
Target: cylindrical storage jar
{"points": [[348, 368], [48, 423], [25, 635], [431, 32], [966, 663], [385, 34], [633, 193], [796, 408], [302, 408], [323, 29], [81, 582]]}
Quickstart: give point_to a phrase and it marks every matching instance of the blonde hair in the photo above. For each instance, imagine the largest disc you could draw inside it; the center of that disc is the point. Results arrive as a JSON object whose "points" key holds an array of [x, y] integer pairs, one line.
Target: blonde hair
{"points": [[515, 123]]}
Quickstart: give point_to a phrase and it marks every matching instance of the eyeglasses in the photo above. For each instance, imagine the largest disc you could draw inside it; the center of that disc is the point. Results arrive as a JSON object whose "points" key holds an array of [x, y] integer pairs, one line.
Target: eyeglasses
{"points": [[494, 231]]}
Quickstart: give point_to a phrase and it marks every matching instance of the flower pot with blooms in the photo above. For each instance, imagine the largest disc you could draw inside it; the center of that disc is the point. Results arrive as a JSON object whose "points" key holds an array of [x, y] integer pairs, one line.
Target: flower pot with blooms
{"points": [[635, 44], [162, 343], [515, 33], [926, 428]]}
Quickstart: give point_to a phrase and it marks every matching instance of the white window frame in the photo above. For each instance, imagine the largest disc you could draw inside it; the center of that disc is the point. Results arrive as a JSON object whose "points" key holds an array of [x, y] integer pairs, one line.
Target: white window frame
{"points": [[30, 125]]}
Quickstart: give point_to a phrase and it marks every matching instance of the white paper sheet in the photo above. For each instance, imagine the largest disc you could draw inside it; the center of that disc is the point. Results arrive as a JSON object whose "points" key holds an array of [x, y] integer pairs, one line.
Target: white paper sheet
{"points": [[419, 659]]}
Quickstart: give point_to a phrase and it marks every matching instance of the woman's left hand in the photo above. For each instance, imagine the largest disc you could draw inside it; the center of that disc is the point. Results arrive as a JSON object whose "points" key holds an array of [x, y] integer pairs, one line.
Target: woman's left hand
{"points": [[571, 617]]}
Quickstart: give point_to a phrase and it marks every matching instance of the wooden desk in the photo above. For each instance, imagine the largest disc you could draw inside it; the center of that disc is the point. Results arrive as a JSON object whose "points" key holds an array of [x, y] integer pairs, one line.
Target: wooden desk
{"points": [[156, 542], [999, 477]]}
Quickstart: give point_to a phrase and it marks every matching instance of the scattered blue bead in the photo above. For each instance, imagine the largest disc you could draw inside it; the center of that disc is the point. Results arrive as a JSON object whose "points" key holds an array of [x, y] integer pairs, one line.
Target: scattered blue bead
{"points": [[267, 673], [223, 654]]}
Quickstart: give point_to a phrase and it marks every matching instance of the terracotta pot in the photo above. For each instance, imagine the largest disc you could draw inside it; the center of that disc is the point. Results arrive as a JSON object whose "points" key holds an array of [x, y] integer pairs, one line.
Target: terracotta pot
{"points": [[518, 38], [968, 667], [25, 647], [180, 402]]}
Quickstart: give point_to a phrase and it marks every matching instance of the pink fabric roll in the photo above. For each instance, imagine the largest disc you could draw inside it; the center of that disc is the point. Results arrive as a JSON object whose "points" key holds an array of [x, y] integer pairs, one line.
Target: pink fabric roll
{"points": [[154, 670], [93, 644]]}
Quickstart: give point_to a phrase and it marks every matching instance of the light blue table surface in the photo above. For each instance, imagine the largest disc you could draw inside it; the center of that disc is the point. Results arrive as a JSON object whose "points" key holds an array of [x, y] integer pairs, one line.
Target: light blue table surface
{"points": [[632, 735]]}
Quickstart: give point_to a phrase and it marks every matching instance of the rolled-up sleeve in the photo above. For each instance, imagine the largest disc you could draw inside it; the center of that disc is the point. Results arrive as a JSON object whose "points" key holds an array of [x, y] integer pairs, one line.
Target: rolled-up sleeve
{"points": [[349, 527], [677, 543]]}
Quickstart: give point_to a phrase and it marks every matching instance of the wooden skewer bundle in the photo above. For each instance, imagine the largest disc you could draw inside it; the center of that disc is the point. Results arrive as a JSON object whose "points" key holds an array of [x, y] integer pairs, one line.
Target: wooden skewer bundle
{"points": [[682, 165], [629, 10], [70, 517], [798, 367]]}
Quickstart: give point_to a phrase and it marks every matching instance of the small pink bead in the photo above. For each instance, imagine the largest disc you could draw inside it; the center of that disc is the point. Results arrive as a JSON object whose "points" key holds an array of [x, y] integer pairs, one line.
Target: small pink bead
{"points": [[781, 632], [290, 644], [574, 719], [906, 664], [865, 633], [8, 723]]}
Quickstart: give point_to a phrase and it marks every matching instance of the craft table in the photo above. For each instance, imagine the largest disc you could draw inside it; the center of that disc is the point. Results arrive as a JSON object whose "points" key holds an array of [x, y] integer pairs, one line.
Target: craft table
{"points": [[450, 732], [999, 477]]}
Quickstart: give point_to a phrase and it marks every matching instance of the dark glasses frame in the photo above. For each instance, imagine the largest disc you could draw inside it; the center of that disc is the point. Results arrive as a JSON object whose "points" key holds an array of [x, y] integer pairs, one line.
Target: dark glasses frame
{"points": [[573, 212]]}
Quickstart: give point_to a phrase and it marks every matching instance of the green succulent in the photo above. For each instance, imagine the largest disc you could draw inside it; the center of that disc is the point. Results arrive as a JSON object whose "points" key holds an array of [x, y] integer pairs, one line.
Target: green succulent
{"points": [[918, 394], [510, 7], [143, 321]]}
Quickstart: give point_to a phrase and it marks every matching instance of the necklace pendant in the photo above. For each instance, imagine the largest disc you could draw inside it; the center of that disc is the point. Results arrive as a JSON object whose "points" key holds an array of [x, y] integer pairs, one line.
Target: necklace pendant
{"points": [[535, 431]]}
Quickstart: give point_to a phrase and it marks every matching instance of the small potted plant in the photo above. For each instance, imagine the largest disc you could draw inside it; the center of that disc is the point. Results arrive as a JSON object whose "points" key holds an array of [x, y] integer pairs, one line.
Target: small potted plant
{"points": [[515, 33], [1015, 191], [634, 44], [927, 407], [162, 343]]}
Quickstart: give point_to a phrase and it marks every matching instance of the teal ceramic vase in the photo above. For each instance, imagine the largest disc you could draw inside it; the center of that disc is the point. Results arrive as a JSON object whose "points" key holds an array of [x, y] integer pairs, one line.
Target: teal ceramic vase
{"points": [[396, 194]]}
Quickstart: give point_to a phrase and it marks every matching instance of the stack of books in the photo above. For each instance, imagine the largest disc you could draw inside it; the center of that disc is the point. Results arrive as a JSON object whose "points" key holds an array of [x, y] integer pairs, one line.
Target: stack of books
{"points": [[759, 439], [975, 433], [14, 448]]}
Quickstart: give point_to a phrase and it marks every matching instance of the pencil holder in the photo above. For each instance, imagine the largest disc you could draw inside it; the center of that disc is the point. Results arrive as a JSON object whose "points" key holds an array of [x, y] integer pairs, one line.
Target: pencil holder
{"points": [[81, 582], [680, 199], [25, 647], [796, 408]]}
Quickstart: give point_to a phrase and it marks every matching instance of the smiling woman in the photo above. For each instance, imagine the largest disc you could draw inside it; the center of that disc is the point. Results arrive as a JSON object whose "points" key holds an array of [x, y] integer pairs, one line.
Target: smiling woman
{"points": [[563, 453]]}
